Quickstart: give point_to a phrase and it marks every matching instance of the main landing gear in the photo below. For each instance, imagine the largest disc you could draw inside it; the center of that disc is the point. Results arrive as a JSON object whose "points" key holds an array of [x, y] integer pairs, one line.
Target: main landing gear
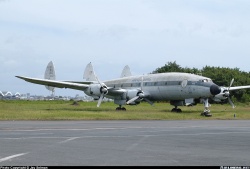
{"points": [[120, 108], [175, 109]]}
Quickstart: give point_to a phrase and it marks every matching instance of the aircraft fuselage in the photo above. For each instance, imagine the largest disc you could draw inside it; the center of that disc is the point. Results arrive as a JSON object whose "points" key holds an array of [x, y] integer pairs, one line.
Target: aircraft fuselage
{"points": [[166, 86]]}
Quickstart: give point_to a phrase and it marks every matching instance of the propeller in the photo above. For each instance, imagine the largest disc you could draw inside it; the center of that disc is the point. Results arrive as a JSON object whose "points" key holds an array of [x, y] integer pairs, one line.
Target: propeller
{"points": [[227, 94], [103, 90], [140, 95]]}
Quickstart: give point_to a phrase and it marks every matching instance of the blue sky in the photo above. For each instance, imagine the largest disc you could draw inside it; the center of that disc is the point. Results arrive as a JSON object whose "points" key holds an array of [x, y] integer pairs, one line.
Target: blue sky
{"points": [[144, 34]]}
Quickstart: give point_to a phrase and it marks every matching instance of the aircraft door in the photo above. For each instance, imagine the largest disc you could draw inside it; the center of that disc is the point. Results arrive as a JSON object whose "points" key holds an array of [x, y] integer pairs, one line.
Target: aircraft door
{"points": [[186, 89]]}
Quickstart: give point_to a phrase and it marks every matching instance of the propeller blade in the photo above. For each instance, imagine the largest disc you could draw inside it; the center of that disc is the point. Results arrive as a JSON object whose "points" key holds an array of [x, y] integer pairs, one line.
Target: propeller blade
{"points": [[132, 100], [231, 103], [141, 82], [104, 87], [231, 83], [229, 99], [100, 100], [98, 80], [104, 90], [147, 100]]}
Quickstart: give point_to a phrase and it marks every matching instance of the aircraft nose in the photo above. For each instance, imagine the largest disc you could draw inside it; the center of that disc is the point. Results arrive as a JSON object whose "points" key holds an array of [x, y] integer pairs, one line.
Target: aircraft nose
{"points": [[214, 89]]}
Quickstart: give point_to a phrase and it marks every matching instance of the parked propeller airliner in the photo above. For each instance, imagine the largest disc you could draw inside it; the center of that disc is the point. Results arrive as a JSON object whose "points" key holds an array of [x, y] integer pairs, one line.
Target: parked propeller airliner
{"points": [[179, 88]]}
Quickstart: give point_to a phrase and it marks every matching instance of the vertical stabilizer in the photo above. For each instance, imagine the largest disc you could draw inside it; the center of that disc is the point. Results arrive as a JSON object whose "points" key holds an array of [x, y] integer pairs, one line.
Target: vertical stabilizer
{"points": [[126, 72], [89, 73], [50, 74]]}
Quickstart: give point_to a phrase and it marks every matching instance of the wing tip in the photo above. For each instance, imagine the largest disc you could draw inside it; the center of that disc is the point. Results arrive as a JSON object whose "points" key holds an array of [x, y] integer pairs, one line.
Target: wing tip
{"points": [[19, 77]]}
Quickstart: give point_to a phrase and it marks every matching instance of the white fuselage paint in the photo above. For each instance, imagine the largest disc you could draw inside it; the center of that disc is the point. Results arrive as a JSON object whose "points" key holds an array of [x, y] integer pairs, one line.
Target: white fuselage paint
{"points": [[166, 86]]}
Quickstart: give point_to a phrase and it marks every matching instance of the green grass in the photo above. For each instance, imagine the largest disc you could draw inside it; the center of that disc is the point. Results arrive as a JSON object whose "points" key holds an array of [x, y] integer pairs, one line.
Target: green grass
{"points": [[64, 110]]}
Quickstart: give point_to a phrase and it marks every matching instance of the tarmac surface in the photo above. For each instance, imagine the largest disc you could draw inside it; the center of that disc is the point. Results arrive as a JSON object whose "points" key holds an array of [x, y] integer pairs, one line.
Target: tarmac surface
{"points": [[125, 143]]}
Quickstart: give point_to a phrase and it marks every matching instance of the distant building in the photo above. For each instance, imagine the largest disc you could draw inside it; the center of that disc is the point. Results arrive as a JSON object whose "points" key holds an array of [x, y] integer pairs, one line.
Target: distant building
{"points": [[7, 95]]}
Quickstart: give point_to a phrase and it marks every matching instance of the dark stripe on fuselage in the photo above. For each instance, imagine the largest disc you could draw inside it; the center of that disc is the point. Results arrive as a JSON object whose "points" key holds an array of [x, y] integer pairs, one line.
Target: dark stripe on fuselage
{"points": [[158, 83]]}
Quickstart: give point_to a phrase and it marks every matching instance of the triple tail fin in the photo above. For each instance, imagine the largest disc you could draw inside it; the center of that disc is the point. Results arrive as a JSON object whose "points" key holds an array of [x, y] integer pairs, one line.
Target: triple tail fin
{"points": [[89, 73], [50, 75], [126, 72]]}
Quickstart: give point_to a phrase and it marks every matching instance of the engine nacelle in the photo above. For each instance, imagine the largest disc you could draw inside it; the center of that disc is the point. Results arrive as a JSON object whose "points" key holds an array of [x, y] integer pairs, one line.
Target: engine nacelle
{"points": [[131, 94], [96, 90], [222, 96]]}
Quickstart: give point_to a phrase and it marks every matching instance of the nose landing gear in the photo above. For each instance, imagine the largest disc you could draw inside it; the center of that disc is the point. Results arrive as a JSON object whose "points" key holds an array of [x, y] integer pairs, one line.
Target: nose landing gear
{"points": [[206, 112]]}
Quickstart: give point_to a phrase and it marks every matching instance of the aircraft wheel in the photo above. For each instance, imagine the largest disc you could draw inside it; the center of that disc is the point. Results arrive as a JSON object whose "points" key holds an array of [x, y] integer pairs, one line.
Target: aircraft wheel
{"points": [[120, 109], [206, 114], [176, 110]]}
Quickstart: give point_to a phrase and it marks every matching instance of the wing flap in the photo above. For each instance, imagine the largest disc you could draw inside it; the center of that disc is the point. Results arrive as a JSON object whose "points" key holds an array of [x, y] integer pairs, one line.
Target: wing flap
{"points": [[55, 83], [81, 82]]}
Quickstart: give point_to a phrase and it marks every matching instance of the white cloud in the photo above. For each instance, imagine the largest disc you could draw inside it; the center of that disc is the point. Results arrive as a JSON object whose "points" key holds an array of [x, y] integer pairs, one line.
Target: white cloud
{"points": [[144, 34]]}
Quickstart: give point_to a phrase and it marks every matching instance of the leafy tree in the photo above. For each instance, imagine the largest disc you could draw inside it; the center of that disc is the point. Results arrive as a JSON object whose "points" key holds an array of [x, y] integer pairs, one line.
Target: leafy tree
{"points": [[220, 75], [169, 67]]}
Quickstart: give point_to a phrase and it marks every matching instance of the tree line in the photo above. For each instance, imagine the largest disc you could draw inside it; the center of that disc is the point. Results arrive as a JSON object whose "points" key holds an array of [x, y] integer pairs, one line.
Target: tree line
{"points": [[220, 75]]}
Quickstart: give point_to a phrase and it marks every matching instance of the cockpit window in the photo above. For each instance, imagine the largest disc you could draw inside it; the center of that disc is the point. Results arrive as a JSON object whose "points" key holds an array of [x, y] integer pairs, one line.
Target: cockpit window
{"points": [[206, 80]]}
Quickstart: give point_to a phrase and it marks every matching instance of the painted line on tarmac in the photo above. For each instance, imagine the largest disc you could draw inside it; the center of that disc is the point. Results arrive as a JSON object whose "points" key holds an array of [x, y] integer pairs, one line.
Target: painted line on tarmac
{"points": [[70, 139], [10, 157]]}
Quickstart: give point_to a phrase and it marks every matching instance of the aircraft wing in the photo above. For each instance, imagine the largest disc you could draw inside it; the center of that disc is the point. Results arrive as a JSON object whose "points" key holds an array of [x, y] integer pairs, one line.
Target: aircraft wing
{"points": [[55, 83], [81, 82], [239, 87], [116, 92]]}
